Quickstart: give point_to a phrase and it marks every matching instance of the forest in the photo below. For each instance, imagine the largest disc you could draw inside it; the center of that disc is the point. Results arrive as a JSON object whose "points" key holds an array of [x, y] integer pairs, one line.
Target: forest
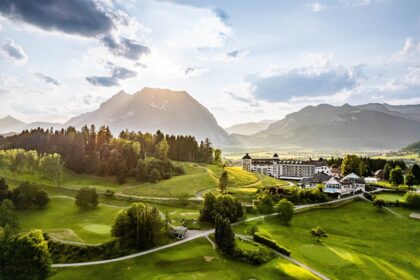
{"points": [[98, 152]]}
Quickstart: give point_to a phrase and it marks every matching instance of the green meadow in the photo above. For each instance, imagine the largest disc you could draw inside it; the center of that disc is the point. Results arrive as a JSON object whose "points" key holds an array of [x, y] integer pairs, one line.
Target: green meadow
{"points": [[362, 243], [193, 260], [64, 220]]}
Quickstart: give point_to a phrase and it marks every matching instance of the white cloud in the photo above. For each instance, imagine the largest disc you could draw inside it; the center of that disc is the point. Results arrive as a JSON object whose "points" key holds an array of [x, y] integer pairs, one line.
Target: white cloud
{"points": [[12, 51], [317, 7]]}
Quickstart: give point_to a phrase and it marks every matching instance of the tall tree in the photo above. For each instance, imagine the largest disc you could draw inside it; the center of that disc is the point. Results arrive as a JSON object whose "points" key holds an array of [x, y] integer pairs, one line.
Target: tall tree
{"points": [[224, 236], [415, 170], [387, 171], [223, 182], [396, 176], [350, 164], [285, 211], [25, 257], [162, 149], [51, 167], [218, 157], [138, 226]]}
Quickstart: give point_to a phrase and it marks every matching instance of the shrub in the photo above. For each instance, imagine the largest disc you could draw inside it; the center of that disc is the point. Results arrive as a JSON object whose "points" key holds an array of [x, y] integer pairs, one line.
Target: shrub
{"points": [[70, 253], [259, 256], [28, 196], [109, 193], [87, 198], [271, 243], [412, 200]]}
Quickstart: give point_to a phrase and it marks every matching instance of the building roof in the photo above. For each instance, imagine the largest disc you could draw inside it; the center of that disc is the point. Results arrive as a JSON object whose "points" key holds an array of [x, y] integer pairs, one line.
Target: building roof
{"points": [[180, 229], [246, 156], [275, 156], [321, 177], [334, 181], [350, 178]]}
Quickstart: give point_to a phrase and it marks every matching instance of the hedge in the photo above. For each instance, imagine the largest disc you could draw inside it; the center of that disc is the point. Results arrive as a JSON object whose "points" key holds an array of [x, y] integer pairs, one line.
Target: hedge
{"points": [[271, 243], [69, 253]]}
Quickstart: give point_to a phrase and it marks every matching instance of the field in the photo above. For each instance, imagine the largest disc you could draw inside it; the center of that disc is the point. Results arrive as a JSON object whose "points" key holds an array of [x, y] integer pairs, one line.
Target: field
{"points": [[192, 260], [197, 178], [65, 221], [392, 197], [362, 243]]}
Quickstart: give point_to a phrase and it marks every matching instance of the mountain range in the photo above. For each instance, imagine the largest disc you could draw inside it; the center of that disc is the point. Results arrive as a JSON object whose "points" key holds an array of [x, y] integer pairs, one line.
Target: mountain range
{"points": [[375, 126], [173, 112], [368, 126], [249, 128]]}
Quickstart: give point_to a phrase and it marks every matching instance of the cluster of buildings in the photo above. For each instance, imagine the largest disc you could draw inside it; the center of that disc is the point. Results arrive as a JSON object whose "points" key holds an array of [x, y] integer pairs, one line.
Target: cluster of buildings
{"points": [[310, 173]]}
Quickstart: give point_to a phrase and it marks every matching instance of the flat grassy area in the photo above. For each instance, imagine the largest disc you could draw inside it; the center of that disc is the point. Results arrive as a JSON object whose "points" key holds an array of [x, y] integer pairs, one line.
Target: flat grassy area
{"points": [[362, 243], [193, 260], [390, 196], [66, 221]]}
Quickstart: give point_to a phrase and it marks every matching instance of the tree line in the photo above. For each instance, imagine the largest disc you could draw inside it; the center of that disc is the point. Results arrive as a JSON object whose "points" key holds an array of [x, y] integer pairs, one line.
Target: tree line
{"points": [[363, 166], [97, 152]]}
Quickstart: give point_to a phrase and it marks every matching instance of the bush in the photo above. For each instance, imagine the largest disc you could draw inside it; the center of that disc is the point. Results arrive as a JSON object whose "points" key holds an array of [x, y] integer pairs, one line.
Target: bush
{"points": [[28, 196], [259, 256], [412, 200], [109, 194], [70, 253], [271, 243], [368, 196], [87, 198]]}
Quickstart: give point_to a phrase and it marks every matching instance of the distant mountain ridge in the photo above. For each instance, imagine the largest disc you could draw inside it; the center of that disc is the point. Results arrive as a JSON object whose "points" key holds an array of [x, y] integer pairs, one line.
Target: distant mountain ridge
{"points": [[10, 125], [368, 126], [412, 148], [372, 125], [249, 128]]}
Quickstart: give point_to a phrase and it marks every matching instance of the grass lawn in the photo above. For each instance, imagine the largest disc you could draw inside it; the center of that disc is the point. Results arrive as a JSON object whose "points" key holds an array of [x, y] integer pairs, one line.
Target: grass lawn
{"points": [[65, 221], [390, 196], [193, 260], [362, 243]]}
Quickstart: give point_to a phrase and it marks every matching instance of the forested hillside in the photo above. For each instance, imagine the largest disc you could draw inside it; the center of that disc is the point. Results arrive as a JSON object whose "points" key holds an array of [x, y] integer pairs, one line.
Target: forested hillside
{"points": [[144, 156]]}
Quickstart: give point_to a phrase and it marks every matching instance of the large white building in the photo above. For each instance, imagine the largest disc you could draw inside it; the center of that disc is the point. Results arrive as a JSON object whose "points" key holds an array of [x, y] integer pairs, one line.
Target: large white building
{"points": [[284, 169], [349, 184]]}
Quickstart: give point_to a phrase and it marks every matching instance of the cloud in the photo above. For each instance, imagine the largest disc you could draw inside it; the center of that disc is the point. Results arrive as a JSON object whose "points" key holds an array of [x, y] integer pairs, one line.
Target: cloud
{"points": [[47, 79], [81, 17], [13, 51], [249, 101], [409, 52], [125, 47], [303, 82], [222, 15], [117, 74], [317, 7], [87, 18], [236, 54], [194, 72]]}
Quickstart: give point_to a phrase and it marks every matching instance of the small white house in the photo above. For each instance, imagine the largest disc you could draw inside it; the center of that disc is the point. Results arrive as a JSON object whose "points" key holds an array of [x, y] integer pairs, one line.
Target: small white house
{"points": [[371, 180], [347, 185]]}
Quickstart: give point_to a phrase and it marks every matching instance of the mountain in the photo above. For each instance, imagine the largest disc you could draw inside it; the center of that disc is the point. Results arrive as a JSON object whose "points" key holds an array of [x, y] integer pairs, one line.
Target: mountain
{"points": [[375, 126], [10, 124], [412, 148], [173, 112], [249, 128]]}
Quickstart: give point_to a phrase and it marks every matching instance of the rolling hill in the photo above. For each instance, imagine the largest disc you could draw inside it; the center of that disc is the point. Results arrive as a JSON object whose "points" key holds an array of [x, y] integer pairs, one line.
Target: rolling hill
{"points": [[249, 128]]}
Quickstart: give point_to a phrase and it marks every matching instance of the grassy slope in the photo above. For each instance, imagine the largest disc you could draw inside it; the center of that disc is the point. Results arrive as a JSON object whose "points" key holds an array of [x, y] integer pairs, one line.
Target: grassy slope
{"points": [[197, 177], [185, 262], [362, 243], [390, 196], [67, 222]]}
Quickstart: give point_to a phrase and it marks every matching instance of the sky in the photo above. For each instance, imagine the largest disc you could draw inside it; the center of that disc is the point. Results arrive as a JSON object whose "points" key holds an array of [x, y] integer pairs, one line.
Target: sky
{"points": [[243, 60]]}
